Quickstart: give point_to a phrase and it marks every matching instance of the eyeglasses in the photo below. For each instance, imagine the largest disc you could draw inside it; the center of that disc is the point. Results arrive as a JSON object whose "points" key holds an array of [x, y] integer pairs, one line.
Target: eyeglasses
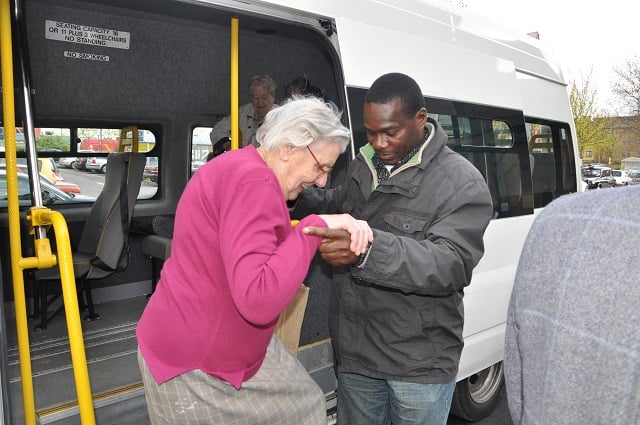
{"points": [[322, 168]]}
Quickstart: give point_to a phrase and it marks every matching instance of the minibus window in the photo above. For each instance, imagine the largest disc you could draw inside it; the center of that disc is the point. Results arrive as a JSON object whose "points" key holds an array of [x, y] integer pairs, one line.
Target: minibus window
{"points": [[105, 140], [552, 161], [52, 139], [75, 172], [94, 145], [540, 140], [20, 145], [465, 131], [149, 186], [569, 178], [503, 135], [200, 147]]}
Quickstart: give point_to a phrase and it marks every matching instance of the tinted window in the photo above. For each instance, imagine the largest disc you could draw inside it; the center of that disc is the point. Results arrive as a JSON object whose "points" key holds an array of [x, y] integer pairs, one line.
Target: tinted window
{"points": [[200, 147], [508, 153], [77, 169]]}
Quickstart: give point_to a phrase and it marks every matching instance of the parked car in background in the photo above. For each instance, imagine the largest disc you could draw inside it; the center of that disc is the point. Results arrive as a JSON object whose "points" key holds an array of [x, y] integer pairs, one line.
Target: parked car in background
{"points": [[48, 168], [81, 163], [598, 176], [151, 169], [622, 177], [64, 186], [48, 173], [67, 162], [635, 176], [50, 194], [97, 163]]}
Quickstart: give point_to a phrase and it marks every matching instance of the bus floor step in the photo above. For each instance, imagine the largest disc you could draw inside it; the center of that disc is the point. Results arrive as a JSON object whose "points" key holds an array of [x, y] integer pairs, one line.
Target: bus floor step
{"points": [[125, 406]]}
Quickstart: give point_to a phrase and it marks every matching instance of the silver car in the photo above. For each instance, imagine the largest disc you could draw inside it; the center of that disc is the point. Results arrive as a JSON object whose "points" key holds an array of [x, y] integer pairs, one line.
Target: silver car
{"points": [[598, 176], [97, 163], [50, 194], [67, 162]]}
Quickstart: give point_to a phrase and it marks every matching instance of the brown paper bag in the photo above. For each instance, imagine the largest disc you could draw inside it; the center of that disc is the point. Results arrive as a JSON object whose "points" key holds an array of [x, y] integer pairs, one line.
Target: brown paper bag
{"points": [[290, 321]]}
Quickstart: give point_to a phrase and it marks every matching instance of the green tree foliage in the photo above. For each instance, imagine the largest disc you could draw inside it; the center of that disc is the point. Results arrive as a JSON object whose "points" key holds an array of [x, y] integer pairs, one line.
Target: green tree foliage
{"points": [[52, 143], [591, 127]]}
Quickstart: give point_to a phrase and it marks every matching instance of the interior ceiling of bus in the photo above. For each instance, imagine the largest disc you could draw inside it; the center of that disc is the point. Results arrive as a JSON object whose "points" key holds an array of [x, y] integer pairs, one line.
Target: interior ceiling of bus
{"points": [[178, 58]]}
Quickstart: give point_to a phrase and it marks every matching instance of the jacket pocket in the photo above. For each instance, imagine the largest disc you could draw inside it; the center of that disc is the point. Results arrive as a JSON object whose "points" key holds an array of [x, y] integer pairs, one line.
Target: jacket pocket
{"points": [[401, 223]]}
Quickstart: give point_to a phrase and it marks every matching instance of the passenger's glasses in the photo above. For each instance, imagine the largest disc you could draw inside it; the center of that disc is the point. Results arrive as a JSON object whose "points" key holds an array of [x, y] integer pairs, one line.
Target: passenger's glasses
{"points": [[322, 168]]}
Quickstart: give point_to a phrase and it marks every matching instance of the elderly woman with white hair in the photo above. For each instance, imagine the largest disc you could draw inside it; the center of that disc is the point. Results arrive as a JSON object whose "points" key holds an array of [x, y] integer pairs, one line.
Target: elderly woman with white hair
{"points": [[207, 351], [262, 91]]}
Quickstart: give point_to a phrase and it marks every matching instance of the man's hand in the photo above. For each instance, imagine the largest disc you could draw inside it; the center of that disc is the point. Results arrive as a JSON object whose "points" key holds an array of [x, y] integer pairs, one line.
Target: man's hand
{"points": [[359, 230], [335, 248]]}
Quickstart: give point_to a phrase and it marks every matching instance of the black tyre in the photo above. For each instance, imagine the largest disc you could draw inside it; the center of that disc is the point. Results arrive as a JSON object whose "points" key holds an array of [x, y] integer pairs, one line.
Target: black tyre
{"points": [[478, 395], [103, 169]]}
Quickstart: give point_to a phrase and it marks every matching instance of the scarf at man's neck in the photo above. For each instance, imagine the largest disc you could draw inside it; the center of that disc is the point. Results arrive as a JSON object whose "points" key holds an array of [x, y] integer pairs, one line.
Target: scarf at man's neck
{"points": [[381, 169]]}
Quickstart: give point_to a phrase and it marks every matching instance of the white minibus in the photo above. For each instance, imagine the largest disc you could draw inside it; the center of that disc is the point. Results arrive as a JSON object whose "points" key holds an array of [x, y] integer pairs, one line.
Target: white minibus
{"points": [[93, 67]]}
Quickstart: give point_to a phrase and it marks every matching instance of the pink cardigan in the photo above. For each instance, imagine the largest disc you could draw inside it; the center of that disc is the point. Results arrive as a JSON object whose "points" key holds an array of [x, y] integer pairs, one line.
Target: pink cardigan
{"points": [[235, 264]]}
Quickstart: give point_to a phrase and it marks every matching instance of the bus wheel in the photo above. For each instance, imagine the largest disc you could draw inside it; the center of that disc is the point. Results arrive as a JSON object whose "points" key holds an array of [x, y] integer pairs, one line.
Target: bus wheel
{"points": [[478, 395]]}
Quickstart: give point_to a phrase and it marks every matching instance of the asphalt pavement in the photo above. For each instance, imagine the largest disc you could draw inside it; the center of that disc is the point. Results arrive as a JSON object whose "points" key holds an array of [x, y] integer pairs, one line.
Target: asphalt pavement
{"points": [[91, 183]]}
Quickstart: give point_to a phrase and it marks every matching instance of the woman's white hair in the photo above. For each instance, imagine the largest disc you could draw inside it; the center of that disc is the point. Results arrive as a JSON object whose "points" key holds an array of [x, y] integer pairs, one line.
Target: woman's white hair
{"points": [[301, 121]]}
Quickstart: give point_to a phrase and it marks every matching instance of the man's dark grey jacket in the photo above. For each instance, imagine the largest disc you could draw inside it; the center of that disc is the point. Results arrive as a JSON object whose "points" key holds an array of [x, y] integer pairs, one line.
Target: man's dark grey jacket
{"points": [[399, 316]]}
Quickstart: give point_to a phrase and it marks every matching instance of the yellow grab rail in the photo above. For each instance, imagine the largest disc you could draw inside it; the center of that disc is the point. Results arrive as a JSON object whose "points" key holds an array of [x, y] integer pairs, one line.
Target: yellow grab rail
{"points": [[235, 104], [38, 218], [44, 217]]}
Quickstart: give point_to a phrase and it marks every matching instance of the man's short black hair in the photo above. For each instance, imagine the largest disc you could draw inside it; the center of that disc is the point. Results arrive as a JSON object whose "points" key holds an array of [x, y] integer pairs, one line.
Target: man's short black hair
{"points": [[396, 86], [302, 86]]}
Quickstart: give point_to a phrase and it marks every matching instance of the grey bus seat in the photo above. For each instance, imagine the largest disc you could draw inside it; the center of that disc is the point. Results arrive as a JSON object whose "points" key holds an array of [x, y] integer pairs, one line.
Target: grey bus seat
{"points": [[158, 245], [103, 248], [543, 179]]}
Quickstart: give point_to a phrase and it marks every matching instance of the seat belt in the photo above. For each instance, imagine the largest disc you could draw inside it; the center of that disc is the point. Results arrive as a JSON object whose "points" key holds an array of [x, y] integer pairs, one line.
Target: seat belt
{"points": [[123, 261]]}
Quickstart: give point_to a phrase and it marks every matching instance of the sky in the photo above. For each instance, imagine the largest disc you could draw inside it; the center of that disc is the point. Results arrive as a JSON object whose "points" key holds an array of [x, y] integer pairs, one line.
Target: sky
{"points": [[589, 38]]}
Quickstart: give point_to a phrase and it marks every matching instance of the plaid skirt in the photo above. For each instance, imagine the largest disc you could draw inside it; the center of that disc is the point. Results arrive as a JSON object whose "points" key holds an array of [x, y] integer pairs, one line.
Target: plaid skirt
{"points": [[282, 392]]}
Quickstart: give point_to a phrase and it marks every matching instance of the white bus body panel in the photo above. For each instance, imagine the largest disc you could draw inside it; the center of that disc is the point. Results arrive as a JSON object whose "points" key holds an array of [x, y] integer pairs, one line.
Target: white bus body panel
{"points": [[442, 70], [458, 55], [486, 300]]}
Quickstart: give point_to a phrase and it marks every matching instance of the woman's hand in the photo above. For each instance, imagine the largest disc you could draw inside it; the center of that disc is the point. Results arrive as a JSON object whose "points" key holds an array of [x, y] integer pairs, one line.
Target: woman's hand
{"points": [[359, 230], [334, 248]]}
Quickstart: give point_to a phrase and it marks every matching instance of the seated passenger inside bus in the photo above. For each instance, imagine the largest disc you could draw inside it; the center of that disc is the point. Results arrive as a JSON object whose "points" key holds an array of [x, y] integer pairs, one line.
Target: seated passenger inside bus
{"points": [[262, 90]]}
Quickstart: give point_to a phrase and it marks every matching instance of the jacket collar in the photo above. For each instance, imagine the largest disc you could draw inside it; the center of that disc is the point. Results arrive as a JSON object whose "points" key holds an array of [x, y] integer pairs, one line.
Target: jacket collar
{"points": [[434, 143]]}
